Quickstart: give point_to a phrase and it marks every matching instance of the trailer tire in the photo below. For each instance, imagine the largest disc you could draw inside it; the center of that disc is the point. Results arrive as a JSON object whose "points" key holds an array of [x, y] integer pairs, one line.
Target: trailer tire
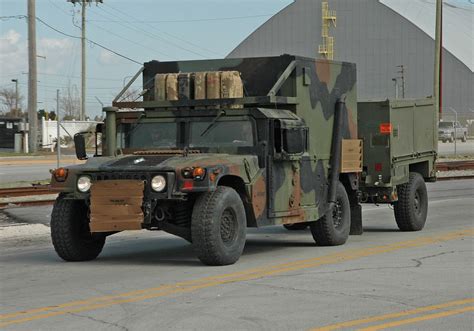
{"points": [[296, 226], [333, 228], [218, 227], [411, 208], [70, 233]]}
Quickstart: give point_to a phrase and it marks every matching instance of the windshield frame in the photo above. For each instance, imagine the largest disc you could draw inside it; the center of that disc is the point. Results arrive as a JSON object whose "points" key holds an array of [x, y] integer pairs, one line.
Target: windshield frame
{"points": [[184, 132]]}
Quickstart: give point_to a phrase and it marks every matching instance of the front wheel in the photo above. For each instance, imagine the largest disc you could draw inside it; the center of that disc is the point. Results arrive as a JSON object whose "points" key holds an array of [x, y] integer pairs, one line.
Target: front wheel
{"points": [[333, 228], [411, 208], [70, 231], [218, 227]]}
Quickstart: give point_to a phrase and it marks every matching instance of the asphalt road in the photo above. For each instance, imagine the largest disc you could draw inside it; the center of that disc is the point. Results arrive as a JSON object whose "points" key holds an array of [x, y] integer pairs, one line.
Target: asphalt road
{"points": [[384, 278], [29, 169]]}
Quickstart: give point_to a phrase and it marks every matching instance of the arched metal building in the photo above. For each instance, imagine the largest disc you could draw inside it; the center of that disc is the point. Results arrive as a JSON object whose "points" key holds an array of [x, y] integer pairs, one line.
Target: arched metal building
{"points": [[379, 35]]}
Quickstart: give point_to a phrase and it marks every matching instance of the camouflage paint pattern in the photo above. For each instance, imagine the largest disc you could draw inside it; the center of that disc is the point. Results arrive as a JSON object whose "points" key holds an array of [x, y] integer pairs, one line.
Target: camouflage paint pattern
{"points": [[289, 188]]}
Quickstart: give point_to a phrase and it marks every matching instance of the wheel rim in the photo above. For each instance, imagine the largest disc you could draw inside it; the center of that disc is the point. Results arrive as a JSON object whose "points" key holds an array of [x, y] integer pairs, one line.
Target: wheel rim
{"points": [[228, 227], [417, 203], [337, 215]]}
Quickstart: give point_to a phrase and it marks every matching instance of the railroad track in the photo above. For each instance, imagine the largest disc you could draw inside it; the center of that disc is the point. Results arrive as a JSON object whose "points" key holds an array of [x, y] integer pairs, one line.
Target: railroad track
{"points": [[455, 165], [9, 197], [25, 191]]}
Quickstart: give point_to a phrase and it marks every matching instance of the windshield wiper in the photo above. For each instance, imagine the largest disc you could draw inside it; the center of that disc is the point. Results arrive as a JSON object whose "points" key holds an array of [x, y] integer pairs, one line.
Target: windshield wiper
{"points": [[213, 123]]}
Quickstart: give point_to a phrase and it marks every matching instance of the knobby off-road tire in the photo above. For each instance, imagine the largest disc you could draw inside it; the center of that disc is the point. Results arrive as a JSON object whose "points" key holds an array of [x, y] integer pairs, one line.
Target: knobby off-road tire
{"points": [[412, 205], [70, 231], [218, 227], [296, 226], [333, 228]]}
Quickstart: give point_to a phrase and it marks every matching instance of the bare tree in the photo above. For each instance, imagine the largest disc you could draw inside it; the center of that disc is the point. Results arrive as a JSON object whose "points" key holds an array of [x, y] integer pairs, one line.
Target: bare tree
{"points": [[70, 102], [8, 102]]}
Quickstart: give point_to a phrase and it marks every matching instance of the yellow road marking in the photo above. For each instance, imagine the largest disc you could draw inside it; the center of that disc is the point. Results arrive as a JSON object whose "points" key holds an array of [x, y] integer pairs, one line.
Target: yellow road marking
{"points": [[250, 274], [394, 315], [419, 319]]}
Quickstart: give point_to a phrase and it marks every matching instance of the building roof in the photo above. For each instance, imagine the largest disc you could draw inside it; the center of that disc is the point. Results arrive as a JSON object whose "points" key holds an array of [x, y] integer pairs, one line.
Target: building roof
{"points": [[458, 23]]}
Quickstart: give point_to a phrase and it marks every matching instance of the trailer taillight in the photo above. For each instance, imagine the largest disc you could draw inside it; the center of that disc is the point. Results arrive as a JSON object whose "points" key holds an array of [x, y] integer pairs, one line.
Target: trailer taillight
{"points": [[378, 167], [385, 128]]}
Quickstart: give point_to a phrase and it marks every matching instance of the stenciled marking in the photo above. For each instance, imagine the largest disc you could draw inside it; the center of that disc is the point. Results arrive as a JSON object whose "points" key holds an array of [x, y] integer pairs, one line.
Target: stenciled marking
{"points": [[202, 283]]}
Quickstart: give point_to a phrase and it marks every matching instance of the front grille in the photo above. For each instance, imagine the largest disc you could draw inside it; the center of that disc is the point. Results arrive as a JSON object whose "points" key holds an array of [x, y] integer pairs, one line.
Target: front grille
{"points": [[98, 176]]}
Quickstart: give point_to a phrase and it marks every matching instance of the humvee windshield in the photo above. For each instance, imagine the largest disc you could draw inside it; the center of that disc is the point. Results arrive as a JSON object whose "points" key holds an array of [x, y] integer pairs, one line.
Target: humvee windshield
{"points": [[156, 135], [147, 135], [225, 133]]}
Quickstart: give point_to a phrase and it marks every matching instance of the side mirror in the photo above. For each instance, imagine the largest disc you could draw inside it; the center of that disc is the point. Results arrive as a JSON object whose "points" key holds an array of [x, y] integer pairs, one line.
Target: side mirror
{"points": [[80, 145]]}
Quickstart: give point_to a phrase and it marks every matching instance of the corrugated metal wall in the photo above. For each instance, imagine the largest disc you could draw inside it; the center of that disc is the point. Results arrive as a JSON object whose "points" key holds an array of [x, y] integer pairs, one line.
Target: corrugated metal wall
{"points": [[374, 37]]}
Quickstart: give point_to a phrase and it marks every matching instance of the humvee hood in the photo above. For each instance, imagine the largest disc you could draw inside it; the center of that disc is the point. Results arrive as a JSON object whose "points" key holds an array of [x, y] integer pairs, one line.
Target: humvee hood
{"points": [[172, 162]]}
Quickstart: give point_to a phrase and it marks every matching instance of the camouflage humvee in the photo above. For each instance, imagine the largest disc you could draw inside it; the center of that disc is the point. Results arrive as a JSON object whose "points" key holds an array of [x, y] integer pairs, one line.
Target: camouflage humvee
{"points": [[217, 146]]}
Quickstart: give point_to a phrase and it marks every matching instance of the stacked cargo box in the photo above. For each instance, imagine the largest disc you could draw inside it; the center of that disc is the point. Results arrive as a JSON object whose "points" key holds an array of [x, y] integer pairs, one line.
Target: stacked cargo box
{"points": [[199, 86]]}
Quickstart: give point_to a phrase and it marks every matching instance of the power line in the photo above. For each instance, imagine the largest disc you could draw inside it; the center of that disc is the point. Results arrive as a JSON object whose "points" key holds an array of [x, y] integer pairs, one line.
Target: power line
{"points": [[153, 35], [91, 41], [190, 20], [71, 36], [164, 32]]}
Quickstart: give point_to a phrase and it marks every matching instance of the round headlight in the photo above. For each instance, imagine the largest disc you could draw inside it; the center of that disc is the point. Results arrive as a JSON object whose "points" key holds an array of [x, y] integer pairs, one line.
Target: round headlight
{"points": [[84, 184], [158, 183]]}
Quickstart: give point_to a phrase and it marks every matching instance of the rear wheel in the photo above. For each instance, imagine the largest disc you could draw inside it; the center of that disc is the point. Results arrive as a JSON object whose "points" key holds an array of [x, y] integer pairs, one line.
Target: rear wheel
{"points": [[411, 208], [70, 231], [296, 226], [464, 138], [451, 139], [333, 228], [218, 227]]}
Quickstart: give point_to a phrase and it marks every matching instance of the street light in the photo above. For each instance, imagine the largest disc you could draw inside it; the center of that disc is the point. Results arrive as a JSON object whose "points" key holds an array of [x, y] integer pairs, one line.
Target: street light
{"points": [[454, 127], [16, 94]]}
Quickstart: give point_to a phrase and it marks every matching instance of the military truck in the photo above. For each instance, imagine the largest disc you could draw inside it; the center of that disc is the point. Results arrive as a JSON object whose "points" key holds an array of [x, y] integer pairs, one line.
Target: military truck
{"points": [[217, 146]]}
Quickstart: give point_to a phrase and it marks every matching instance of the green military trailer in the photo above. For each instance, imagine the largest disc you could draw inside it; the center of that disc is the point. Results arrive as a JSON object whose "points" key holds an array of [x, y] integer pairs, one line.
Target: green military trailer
{"points": [[400, 147], [217, 146]]}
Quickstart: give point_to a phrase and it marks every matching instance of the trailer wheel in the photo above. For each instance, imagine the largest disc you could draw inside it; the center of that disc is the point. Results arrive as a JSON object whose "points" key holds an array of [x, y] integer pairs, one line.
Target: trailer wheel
{"points": [[333, 228], [218, 227], [296, 226], [70, 233], [412, 205]]}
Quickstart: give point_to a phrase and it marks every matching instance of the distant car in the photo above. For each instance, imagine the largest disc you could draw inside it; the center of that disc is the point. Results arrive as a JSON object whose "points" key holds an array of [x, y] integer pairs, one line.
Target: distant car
{"points": [[447, 130]]}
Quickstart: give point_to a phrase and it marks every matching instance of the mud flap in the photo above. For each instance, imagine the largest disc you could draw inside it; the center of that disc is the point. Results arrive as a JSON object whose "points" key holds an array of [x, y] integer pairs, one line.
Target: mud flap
{"points": [[356, 219]]}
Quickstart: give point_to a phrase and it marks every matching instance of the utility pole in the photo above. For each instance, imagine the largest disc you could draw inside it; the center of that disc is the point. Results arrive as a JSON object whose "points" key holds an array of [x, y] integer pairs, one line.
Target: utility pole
{"points": [[58, 129], [395, 80], [83, 63], [32, 76], [84, 4], [402, 77], [438, 63]]}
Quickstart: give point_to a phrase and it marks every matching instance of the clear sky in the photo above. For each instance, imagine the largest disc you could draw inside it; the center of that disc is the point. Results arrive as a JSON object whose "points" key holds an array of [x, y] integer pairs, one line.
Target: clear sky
{"points": [[141, 30]]}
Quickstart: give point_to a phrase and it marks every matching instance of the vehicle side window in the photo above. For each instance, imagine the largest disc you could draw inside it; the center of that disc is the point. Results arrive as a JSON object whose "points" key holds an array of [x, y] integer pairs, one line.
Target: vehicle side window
{"points": [[290, 140]]}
